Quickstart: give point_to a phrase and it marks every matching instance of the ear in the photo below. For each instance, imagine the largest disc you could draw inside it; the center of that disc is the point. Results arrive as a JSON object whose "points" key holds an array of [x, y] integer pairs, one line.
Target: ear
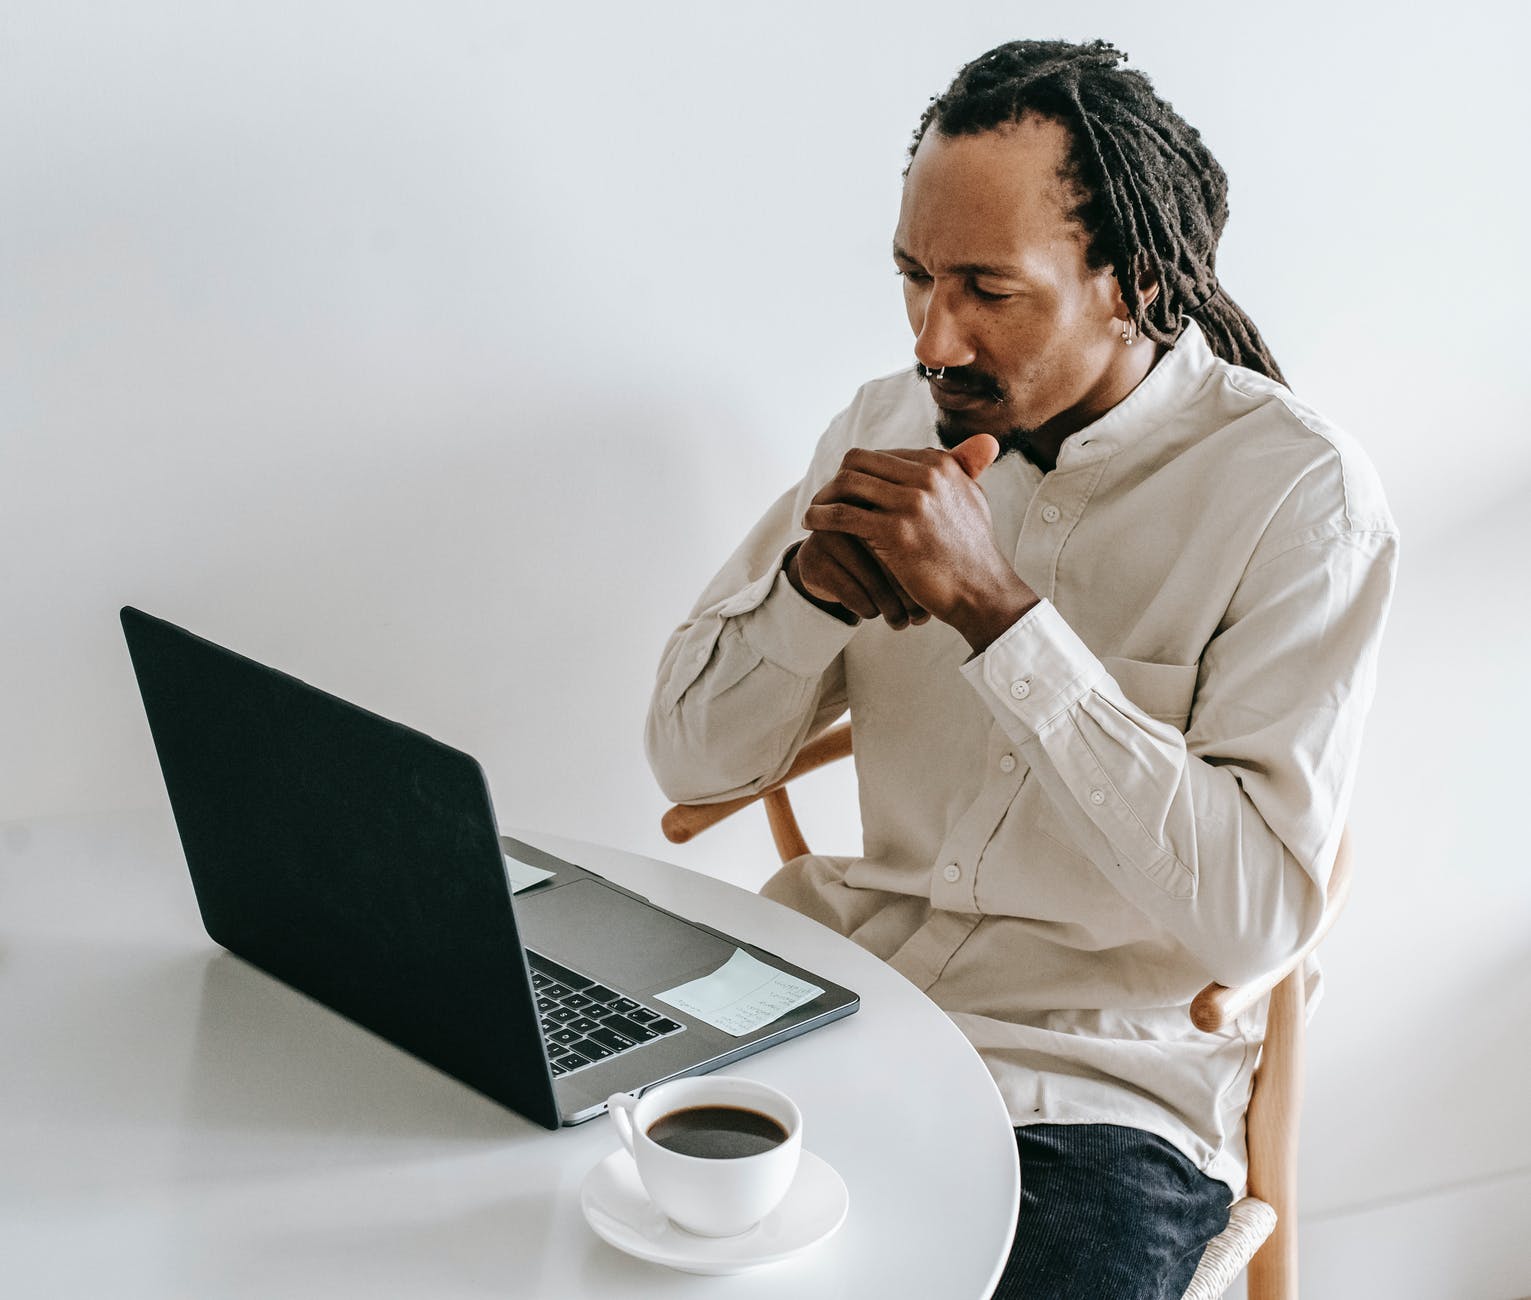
{"points": [[1148, 290]]}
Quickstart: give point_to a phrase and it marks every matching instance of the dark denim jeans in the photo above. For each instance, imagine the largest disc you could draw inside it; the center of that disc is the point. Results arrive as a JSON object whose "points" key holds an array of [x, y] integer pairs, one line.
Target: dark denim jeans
{"points": [[1108, 1213]]}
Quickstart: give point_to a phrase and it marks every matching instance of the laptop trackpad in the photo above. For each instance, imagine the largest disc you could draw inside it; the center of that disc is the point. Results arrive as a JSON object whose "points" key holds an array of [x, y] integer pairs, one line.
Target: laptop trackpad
{"points": [[609, 936]]}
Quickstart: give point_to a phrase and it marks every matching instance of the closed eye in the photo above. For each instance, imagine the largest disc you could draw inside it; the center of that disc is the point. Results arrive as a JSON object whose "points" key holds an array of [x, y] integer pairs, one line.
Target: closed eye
{"points": [[924, 277]]}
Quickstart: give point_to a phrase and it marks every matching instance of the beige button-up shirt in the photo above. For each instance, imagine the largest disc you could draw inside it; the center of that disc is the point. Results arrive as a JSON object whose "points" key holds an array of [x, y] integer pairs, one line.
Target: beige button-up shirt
{"points": [[1138, 788]]}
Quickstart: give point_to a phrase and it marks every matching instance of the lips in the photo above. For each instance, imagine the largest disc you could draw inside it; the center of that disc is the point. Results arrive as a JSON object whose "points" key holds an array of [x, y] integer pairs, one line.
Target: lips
{"points": [[951, 397]]}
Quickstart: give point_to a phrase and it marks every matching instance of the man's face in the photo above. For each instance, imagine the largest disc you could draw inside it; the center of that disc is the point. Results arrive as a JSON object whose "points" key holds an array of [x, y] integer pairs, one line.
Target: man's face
{"points": [[998, 291]]}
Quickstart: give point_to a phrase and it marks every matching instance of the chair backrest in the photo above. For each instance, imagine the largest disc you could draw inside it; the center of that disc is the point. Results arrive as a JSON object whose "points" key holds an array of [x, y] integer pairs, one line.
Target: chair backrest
{"points": [[1275, 1103]]}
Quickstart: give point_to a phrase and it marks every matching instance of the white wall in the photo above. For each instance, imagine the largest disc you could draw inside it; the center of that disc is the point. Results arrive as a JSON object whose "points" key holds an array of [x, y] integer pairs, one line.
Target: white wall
{"points": [[439, 352]]}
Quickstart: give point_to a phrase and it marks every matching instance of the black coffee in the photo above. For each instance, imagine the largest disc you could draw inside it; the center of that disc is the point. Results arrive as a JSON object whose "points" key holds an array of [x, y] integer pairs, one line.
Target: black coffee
{"points": [[717, 1132]]}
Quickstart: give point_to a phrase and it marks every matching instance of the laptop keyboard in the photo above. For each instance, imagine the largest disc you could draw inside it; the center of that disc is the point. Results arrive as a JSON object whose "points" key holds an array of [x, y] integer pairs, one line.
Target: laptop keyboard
{"points": [[583, 1021]]}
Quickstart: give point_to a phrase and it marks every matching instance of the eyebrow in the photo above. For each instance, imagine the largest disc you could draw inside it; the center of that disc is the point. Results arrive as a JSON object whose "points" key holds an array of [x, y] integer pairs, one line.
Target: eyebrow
{"points": [[969, 268]]}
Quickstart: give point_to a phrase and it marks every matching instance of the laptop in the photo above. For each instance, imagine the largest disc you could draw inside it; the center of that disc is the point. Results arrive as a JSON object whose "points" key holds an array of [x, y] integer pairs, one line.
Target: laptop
{"points": [[359, 862]]}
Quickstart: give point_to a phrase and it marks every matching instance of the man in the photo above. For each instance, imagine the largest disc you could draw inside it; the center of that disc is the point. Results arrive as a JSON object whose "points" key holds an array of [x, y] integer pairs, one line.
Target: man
{"points": [[1107, 688]]}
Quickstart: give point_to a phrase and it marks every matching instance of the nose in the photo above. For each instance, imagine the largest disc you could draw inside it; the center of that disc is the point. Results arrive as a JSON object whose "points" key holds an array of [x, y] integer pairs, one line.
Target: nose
{"points": [[940, 338]]}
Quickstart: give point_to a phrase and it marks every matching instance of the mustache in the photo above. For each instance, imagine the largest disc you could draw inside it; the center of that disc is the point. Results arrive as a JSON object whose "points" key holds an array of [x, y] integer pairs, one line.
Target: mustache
{"points": [[965, 379]]}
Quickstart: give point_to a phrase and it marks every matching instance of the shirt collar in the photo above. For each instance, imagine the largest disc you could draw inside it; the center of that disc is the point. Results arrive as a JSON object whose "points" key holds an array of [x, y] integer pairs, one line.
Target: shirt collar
{"points": [[1164, 391]]}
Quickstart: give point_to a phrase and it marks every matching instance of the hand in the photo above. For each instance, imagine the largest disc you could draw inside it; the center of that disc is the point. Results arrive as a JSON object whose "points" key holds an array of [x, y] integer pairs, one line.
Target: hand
{"points": [[836, 573], [922, 516]]}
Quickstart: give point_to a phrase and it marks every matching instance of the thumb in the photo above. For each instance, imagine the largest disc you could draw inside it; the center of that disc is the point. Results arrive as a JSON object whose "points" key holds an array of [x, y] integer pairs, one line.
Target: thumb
{"points": [[976, 454]]}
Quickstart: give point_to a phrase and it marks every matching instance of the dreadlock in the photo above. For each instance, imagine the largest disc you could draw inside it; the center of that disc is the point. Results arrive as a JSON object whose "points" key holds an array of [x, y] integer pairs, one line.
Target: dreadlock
{"points": [[1151, 197]]}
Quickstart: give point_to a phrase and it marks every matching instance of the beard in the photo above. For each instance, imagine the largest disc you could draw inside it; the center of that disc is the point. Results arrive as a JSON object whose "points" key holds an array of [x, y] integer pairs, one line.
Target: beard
{"points": [[952, 430], [1018, 439]]}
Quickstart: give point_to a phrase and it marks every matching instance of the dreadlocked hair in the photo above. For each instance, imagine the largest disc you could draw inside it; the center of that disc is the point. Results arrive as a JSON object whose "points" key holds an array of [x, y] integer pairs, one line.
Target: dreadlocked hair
{"points": [[1152, 199]]}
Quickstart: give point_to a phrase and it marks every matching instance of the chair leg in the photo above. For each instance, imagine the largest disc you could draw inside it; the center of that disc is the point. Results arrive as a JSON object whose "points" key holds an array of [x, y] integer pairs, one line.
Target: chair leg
{"points": [[1272, 1129], [784, 830]]}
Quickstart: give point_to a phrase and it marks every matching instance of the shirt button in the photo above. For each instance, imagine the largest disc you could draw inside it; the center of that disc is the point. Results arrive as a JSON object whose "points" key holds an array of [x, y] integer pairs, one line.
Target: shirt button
{"points": [[1021, 689], [1097, 796], [1007, 763], [1051, 513], [952, 872]]}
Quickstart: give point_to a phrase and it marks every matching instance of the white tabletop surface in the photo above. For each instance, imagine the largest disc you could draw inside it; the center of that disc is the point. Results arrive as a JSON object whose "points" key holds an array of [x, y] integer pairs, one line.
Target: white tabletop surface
{"points": [[174, 1123]]}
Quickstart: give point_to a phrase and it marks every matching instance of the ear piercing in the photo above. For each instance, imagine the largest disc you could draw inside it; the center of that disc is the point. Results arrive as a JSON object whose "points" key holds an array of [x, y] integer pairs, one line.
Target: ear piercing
{"points": [[1129, 333]]}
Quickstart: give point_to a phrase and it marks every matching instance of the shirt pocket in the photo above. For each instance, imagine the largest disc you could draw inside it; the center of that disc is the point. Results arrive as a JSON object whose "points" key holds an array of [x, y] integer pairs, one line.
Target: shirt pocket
{"points": [[1166, 692]]}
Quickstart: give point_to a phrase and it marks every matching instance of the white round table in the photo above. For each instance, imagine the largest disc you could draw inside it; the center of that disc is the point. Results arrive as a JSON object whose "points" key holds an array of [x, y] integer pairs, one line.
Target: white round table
{"points": [[174, 1123]]}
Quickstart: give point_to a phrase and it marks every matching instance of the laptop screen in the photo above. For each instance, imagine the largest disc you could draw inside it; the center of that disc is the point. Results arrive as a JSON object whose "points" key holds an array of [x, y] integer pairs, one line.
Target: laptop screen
{"points": [[348, 856]]}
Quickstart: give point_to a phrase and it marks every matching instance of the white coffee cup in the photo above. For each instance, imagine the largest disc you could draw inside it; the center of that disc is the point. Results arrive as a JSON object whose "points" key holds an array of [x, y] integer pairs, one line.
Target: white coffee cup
{"points": [[709, 1196]]}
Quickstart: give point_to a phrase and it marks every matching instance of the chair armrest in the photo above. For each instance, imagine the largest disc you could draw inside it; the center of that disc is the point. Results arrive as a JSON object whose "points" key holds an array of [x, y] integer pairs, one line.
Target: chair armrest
{"points": [[1216, 1005], [685, 820]]}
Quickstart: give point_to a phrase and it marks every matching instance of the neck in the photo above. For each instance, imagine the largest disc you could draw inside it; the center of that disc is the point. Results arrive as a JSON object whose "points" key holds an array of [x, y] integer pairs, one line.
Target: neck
{"points": [[1042, 445]]}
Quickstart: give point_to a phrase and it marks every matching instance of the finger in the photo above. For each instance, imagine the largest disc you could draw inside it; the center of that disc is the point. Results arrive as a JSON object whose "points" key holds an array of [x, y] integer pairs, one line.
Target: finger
{"points": [[912, 608], [909, 466], [828, 579], [898, 607], [976, 454], [873, 578], [912, 466], [856, 488], [839, 517]]}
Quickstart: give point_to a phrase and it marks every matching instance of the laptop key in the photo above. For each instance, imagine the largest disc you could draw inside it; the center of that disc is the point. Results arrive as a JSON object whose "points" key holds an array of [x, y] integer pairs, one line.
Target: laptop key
{"points": [[629, 1028], [624, 1005], [577, 1000], [548, 1026], [562, 1015], [608, 1038], [577, 1056], [601, 993], [540, 981], [643, 1015], [664, 1026], [584, 1024], [564, 976], [545, 1005], [554, 990], [563, 1036], [593, 1051], [560, 1068]]}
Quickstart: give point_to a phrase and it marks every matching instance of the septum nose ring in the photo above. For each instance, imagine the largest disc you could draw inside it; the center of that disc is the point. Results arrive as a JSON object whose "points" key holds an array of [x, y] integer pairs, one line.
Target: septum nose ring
{"points": [[934, 374]]}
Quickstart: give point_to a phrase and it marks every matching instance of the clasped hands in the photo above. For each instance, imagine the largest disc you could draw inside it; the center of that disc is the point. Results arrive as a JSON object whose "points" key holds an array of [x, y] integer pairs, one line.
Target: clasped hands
{"points": [[906, 536]]}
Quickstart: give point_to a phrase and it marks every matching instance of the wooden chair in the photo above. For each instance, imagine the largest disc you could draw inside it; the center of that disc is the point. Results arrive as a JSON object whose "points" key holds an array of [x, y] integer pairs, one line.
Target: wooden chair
{"points": [[1262, 1227]]}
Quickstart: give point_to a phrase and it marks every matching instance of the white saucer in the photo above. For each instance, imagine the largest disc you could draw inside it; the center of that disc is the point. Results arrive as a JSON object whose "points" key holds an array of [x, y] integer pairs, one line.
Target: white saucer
{"points": [[620, 1211]]}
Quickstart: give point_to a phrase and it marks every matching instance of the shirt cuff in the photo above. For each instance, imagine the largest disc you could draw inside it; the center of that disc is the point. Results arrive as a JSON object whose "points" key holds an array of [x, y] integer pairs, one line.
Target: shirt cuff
{"points": [[786, 628], [1036, 671]]}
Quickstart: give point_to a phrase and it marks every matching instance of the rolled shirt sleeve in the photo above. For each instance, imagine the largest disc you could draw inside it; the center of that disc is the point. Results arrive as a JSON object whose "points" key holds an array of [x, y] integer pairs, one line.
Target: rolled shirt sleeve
{"points": [[752, 674], [757, 669]]}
